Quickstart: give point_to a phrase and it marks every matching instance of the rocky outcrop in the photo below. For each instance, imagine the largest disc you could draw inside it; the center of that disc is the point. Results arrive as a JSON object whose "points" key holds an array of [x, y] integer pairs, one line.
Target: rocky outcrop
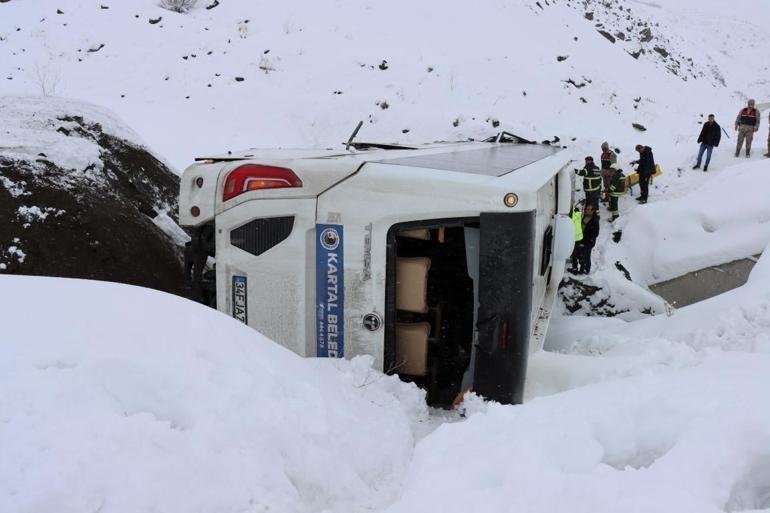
{"points": [[78, 197]]}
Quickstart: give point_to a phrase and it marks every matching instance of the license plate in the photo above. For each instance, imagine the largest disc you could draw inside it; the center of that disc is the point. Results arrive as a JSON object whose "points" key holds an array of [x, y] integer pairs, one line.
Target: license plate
{"points": [[239, 298]]}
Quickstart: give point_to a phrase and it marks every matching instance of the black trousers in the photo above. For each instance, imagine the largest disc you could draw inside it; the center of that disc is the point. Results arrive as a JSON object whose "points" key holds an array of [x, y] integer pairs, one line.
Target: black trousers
{"points": [[614, 205], [592, 198], [581, 258], [644, 185]]}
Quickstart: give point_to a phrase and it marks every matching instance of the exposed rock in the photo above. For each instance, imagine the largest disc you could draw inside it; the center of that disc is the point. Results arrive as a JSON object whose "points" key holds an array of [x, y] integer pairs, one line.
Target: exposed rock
{"points": [[609, 36], [94, 222], [580, 296], [639, 127]]}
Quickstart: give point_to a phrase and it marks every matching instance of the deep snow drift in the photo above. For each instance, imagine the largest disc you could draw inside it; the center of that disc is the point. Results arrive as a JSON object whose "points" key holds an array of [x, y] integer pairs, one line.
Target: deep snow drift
{"points": [[130, 400], [122, 399]]}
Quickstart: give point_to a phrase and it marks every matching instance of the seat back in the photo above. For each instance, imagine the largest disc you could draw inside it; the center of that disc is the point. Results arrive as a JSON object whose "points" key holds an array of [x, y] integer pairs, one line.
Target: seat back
{"points": [[412, 284], [412, 348]]}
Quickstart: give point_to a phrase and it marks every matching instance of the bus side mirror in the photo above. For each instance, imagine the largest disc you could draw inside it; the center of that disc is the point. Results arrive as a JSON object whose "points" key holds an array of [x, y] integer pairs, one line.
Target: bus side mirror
{"points": [[564, 241]]}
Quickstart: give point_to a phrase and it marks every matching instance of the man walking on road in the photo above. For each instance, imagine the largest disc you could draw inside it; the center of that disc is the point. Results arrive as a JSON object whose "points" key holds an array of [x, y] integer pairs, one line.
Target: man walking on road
{"points": [[709, 137], [645, 170], [746, 124]]}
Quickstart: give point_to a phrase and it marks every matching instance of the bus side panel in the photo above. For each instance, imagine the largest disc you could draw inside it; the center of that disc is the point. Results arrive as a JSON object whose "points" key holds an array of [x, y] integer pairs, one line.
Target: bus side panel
{"points": [[277, 286], [507, 255]]}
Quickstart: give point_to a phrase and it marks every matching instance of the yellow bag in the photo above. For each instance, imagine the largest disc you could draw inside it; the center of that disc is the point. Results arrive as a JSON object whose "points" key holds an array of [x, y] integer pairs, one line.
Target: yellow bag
{"points": [[633, 178]]}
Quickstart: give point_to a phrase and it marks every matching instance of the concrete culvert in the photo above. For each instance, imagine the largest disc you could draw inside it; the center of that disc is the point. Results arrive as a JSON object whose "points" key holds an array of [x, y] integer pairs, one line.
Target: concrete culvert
{"points": [[705, 283]]}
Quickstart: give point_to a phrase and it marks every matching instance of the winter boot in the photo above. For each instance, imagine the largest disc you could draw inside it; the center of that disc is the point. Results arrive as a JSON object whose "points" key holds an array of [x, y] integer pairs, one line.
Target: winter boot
{"points": [[696, 166], [705, 168], [737, 152], [748, 154]]}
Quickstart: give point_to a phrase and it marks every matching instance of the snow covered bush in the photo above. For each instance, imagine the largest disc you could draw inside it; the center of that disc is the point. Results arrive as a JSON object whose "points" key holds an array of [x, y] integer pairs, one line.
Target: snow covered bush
{"points": [[180, 6]]}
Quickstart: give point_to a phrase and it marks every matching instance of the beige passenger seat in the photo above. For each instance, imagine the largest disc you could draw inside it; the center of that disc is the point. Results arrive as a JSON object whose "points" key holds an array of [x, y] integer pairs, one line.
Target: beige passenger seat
{"points": [[412, 284], [412, 348], [412, 296], [421, 234]]}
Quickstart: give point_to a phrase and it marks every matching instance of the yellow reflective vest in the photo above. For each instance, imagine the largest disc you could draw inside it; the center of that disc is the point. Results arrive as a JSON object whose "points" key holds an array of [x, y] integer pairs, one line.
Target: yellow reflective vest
{"points": [[577, 219]]}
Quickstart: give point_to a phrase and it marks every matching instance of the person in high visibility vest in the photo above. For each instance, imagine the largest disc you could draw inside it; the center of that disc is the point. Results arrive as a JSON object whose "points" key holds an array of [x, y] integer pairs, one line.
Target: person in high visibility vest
{"points": [[592, 181], [577, 220], [586, 233]]}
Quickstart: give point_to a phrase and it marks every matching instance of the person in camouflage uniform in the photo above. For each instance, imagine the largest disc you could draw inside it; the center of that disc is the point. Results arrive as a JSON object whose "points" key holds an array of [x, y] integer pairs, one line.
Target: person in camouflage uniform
{"points": [[746, 123], [608, 158]]}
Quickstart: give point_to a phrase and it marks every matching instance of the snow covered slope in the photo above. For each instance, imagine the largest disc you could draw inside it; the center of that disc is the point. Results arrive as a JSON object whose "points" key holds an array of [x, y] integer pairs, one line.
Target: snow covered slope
{"points": [[131, 400], [246, 74]]}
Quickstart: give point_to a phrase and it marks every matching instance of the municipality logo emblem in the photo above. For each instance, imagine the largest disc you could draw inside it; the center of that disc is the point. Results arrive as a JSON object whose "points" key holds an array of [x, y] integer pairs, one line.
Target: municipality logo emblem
{"points": [[330, 239]]}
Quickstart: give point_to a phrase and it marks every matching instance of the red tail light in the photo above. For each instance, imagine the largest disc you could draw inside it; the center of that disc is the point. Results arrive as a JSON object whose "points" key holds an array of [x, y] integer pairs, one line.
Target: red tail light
{"points": [[250, 177]]}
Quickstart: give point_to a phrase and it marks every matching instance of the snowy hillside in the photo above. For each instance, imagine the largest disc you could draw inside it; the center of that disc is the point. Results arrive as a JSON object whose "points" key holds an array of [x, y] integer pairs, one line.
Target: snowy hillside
{"points": [[118, 399], [246, 74]]}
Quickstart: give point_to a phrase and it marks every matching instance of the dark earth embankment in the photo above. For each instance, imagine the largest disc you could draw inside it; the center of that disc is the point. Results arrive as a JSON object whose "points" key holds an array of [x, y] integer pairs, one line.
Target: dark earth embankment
{"points": [[94, 223]]}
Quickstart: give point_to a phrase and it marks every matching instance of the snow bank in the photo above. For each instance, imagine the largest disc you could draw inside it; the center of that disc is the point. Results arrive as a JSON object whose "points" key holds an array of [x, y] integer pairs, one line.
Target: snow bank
{"points": [[724, 219], [29, 133], [118, 398], [673, 440], [665, 414]]}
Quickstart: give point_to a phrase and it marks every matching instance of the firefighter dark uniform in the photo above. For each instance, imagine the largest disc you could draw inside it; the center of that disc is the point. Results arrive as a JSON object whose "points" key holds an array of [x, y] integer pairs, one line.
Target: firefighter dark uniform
{"points": [[617, 189], [592, 181]]}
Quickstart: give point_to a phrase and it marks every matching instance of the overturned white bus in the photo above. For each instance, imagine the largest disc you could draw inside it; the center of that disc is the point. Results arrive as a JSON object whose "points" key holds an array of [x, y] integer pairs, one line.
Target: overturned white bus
{"points": [[442, 261]]}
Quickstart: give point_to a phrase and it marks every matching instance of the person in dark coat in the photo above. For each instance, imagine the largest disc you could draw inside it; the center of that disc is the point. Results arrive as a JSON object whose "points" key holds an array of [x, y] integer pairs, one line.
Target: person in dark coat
{"points": [[581, 256], [592, 181], [709, 137], [645, 169]]}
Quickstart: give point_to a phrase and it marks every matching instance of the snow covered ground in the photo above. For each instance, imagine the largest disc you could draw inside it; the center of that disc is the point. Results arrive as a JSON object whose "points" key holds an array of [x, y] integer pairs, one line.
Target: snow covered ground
{"points": [[120, 399], [126, 399]]}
